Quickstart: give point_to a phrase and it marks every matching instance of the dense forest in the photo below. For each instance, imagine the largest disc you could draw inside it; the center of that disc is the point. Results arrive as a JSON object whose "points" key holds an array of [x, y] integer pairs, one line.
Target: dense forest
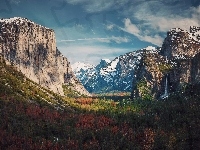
{"points": [[35, 118]]}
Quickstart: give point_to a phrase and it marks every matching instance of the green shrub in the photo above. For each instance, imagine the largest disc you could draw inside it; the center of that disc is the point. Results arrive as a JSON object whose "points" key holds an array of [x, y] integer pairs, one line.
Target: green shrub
{"points": [[165, 68], [144, 90]]}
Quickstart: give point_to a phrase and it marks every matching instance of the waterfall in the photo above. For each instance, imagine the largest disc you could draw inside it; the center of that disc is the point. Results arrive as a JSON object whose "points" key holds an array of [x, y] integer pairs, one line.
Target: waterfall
{"points": [[166, 86], [165, 95], [166, 59]]}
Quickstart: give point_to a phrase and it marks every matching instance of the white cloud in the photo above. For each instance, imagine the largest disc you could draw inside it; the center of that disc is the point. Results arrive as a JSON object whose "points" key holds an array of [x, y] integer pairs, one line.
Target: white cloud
{"points": [[131, 28], [145, 19], [119, 39], [91, 54], [163, 24], [103, 40], [66, 41], [156, 39], [150, 18], [165, 17], [153, 17], [159, 15], [15, 1], [110, 27], [92, 6]]}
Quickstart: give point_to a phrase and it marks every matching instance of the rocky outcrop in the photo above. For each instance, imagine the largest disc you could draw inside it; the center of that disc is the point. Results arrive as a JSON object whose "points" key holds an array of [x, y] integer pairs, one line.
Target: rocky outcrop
{"points": [[32, 49], [184, 51], [168, 70], [186, 71], [180, 43], [150, 74]]}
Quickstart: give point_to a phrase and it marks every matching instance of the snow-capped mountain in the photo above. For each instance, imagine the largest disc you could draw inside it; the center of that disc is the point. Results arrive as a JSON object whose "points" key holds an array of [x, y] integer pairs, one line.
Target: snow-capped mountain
{"points": [[124, 72], [78, 66], [107, 76]]}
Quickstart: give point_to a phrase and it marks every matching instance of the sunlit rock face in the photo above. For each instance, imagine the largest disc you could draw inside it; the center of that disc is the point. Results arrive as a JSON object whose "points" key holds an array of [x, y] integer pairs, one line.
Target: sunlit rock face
{"points": [[32, 49]]}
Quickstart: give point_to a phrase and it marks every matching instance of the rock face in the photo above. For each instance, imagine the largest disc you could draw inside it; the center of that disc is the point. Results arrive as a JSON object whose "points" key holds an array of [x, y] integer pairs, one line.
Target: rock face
{"points": [[32, 49], [184, 50], [180, 43], [168, 70], [150, 74]]}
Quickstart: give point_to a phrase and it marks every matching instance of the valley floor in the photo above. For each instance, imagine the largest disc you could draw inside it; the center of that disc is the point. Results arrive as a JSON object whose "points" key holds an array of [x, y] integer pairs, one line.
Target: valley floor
{"points": [[34, 118], [171, 124]]}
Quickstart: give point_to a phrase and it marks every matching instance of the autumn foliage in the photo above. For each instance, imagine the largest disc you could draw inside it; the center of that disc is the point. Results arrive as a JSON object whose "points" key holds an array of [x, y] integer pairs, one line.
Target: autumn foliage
{"points": [[34, 118]]}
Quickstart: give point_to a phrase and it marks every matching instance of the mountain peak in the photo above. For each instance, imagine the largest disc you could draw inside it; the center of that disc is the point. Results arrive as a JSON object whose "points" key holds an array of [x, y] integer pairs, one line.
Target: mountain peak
{"points": [[194, 29], [103, 63], [181, 42], [14, 19], [106, 60], [176, 30], [18, 21], [109, 76], [80, 65], [150, 48]]}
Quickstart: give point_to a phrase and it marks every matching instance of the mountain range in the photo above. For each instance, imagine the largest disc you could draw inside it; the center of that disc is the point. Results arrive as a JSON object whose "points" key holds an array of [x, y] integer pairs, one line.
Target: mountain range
{"points": [[110, 76], [155, 72], [162, 70]]}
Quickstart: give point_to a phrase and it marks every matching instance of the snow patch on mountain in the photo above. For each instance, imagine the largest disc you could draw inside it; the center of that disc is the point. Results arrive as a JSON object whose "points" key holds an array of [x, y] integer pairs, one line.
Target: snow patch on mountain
{"points": [[18, 21], [110, 68], [79, 65], [150, 48], [115, 75], [194, 33], [107, 60]]}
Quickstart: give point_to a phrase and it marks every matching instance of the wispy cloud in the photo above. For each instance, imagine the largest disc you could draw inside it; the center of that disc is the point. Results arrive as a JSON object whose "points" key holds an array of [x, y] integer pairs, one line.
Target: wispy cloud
{"points": [[130, 28], [146, 19], [16, 2], [104, 40], [142, 35], [152, 22], [155, 39], [163, 22], [92, 6], [91, 54], [110, 27]]}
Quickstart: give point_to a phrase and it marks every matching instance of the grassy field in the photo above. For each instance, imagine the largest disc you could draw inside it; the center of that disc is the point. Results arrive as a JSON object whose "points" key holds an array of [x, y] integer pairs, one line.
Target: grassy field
{"points": [[35, 118]]}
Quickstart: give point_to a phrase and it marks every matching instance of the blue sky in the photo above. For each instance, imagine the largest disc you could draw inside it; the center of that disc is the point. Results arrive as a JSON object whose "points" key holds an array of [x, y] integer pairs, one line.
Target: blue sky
{"points": [[89, 30]]}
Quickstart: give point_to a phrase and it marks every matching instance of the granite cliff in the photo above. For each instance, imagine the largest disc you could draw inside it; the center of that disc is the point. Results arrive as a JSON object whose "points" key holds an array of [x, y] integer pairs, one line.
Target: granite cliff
{"points": [[149, 74], [184, 51], [31, 48], [175, 65]]}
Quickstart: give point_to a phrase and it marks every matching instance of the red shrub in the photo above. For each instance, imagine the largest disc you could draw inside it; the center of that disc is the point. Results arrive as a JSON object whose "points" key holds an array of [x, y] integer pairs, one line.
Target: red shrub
{"points": [[91, 121]]}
